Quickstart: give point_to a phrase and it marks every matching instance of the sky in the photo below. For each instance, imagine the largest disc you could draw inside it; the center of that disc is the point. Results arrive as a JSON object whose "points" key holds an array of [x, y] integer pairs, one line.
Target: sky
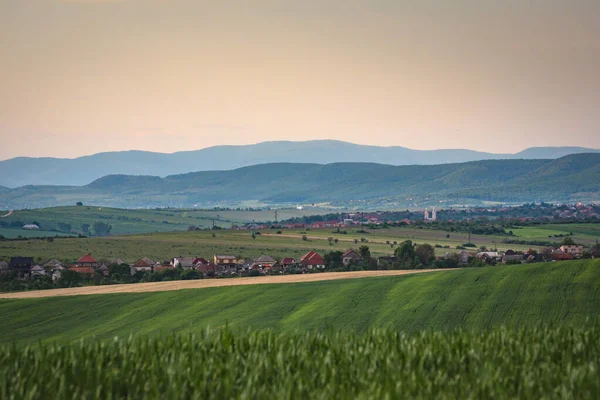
{"points": [[79, 77]]}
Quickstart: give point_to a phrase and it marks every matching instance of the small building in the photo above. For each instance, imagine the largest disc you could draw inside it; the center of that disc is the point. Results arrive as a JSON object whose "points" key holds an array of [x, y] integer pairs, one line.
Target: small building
{"points": [[53, 264], [36, 271], [265, 262], [103, 270], [184, 262], [31, 227], [511, 256], [118, 261], [576, 250], [350, 257], [142, 265], [288, 262], [225, 260], [20, 265], [3, 267], [559, 255], [87, 261], [312, 260]]}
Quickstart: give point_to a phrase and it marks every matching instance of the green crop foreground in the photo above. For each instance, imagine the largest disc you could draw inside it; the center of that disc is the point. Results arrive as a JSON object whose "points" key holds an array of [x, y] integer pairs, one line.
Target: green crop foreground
{"points": [[501, 363]]}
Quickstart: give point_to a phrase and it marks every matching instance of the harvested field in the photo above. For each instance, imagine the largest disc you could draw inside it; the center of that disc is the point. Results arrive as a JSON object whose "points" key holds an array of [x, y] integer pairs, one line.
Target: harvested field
{"points": [[207, 283]]}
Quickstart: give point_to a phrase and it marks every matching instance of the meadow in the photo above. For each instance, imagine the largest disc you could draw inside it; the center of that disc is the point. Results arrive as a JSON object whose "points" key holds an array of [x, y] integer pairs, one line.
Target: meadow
{"points": [[554, 294], [132, 221], [502, 363], [162, 246]]}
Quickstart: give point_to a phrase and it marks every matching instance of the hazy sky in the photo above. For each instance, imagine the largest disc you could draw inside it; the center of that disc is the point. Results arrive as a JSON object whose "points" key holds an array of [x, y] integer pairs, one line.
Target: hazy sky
{"points": [[83, 76]]}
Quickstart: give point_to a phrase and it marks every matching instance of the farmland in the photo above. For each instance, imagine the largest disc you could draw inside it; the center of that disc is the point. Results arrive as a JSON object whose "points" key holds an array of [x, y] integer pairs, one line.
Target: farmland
{"points": [[289, 243], [502, 363], [557, 294], [126, 221]]}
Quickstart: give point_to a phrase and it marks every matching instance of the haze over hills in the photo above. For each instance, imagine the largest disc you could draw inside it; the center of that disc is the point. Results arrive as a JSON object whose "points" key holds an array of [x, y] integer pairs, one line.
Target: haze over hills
{"points": [[23, 171], [570, 178]]}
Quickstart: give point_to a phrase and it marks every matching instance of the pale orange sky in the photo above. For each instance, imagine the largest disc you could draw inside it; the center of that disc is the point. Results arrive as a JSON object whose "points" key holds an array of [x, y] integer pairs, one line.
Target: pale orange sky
{"points": [[83, 76]]}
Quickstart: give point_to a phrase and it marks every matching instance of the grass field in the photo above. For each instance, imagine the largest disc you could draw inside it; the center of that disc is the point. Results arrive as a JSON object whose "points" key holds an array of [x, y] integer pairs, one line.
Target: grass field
{"points": [[514, 363], [15, 233], [144, 221], [565, 293], [165, 245]]}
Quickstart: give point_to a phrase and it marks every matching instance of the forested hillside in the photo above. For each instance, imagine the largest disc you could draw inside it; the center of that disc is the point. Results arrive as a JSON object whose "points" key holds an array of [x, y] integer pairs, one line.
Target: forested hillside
{"points": [[574, 177]]}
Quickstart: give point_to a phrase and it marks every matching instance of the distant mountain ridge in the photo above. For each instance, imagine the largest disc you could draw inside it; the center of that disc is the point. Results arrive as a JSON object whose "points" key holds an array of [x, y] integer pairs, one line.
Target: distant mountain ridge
{"points": [[22, 171], [570, 178]]}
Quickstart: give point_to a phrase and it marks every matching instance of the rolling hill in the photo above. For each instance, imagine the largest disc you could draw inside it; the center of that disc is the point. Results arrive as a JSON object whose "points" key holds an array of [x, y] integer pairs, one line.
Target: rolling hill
{"points": [[574, 177], [514, 296], [24, 171]]}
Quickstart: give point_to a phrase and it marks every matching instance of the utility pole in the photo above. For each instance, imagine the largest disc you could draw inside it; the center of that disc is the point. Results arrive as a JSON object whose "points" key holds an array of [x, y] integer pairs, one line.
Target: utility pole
{"points": [[275, 217]]}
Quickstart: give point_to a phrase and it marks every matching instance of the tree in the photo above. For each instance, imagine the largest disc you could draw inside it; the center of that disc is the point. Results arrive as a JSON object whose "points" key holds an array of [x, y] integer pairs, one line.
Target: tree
{"points": [[336, 240], [568, 241], [69, 278], [425, 253], [365, 253], [102, 228], [333, 260], [405, 252], [85, 229], [79, 204], [304, 238], [330, 240]]}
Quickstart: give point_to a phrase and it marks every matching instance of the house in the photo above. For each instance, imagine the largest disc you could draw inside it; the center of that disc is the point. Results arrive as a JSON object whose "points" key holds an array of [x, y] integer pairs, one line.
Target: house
{"points": [[118, 261], [20, 265], [464, 257], [511, 255], [208, 269], [142, 265], [576, 250], [53, 264], [225, 260], [184, 262], [87, 272], [37, 270], [87, 261], [288, 262], [103, 270], [350, 257], [488, 257], [159, 268], [559, 255], [265, 262], [312, 260], [3, 267]]}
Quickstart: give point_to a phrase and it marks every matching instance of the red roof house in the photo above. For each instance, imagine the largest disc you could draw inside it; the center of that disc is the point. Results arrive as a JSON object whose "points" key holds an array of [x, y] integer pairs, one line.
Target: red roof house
{"points": [[312, 259], [87, 261]]}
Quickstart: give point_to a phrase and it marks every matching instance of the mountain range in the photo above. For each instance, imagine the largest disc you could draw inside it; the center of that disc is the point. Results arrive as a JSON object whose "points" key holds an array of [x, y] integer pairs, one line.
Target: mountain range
{"points": [[23, 171], [570, 178]]}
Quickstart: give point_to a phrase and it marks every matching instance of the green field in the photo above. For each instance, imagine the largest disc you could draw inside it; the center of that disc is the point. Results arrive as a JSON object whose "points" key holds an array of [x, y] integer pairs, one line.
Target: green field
{"points": [[165, 245], [143, 221], [15, 233], [505, 363], [565, 293]]}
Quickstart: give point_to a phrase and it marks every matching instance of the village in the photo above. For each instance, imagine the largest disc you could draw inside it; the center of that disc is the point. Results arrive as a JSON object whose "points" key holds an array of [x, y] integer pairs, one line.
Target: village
{"points": [[87, 268]]}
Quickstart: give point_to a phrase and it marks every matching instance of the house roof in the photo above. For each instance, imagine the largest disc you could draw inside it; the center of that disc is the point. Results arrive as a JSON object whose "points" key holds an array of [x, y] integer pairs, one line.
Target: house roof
{"points": [[265, 260], [143, 262], [225, 257], [118, 261], [103, 267], [52, 263], [163, 267], [200, 260], [83, 270], [186, 261], [312, 258], [37, 268], [87, 259], [288, 260], [3, 265], [351, 253]]}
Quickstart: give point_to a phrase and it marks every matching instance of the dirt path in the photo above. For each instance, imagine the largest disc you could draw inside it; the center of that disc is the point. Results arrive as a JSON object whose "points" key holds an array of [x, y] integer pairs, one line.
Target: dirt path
{"points": [[206, 283], [9, 213]]}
